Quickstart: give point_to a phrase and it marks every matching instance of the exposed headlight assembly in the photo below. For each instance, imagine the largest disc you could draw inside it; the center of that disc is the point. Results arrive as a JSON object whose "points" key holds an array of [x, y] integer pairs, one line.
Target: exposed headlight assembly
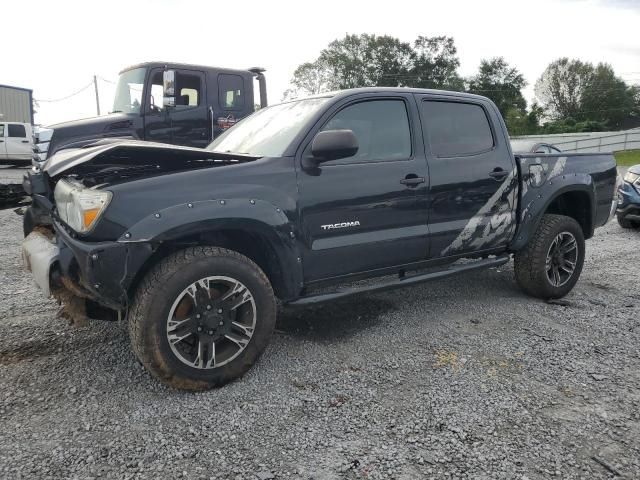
{"points": [[80, 207]]}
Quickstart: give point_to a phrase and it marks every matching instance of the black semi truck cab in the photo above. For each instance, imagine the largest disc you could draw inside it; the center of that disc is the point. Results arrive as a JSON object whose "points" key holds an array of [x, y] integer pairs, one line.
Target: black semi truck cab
{"points": [[174, 103]]}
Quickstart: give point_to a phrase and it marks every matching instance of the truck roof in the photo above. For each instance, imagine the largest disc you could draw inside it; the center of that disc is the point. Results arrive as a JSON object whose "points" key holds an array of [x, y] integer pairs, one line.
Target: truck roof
{"points": [[182, 65], [430, 91]]}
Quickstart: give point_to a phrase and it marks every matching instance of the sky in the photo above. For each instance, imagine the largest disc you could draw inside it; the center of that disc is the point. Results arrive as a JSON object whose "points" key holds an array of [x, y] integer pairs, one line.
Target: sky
{"points": [[55, 47]]}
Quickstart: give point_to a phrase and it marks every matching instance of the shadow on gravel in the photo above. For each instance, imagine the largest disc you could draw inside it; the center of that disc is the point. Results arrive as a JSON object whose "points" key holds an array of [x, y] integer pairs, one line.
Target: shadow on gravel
{"points": [[32, 348], [332, 321]]}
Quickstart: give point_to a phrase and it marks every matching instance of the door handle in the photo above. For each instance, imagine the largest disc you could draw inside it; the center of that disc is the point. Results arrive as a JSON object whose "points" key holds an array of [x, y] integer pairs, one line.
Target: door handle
{"points": [[412, 180], [25, 141], [498, 173]]}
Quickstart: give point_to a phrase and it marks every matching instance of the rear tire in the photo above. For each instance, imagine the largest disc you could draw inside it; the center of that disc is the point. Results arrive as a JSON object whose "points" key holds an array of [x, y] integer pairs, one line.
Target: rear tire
{"points": [[202, 317], [541, 269]]}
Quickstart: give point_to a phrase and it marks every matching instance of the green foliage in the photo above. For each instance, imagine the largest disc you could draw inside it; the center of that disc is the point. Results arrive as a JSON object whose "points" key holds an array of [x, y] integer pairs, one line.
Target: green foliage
{"points": [[379, 61], [521, 122], [594, 97], [501, 83], [569, 125], [435, 64]]}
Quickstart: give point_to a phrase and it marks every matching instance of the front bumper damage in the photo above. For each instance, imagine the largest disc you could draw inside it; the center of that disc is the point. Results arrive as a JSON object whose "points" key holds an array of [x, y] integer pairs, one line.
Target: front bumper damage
{"points": [[77, 272]]}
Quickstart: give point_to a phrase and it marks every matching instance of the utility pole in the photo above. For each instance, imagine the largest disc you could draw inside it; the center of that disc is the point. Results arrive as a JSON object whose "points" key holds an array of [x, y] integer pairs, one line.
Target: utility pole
{"points": [[95, 84]]}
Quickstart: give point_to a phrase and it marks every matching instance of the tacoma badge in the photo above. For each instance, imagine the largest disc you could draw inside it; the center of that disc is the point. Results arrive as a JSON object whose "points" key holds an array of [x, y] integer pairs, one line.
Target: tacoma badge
{"points": [[331, 226]]}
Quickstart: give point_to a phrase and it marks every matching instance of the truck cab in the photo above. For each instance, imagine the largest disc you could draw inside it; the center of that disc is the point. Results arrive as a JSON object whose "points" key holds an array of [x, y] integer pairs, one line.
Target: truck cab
{"points": [[164, 102], [16, 142]]}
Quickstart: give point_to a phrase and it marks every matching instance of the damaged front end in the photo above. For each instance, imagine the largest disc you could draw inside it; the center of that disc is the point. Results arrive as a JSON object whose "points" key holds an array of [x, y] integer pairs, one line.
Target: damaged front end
{"points": [[89, 280], [75, 255]]}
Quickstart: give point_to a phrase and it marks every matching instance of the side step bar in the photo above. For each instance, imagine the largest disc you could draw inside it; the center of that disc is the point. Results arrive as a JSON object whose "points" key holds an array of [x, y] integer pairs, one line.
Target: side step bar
{"points": [[402, 281]]}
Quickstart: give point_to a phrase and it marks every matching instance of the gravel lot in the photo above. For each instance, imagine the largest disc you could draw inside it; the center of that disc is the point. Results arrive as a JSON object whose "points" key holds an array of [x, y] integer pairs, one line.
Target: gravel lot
{"points": [[460, 378]]}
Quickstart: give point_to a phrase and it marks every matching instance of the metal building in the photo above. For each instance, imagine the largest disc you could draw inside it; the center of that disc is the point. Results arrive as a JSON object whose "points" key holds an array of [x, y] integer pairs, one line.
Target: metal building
{"points": [[16, 104]]}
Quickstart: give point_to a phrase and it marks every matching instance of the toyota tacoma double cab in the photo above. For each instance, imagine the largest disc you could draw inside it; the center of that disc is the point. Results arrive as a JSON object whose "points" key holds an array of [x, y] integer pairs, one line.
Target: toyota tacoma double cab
{"points": [[296, 204]]}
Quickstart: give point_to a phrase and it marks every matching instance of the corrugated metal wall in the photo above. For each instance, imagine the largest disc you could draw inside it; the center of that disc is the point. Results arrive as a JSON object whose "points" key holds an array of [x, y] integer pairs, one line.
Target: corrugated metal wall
{"points": [[15, 105]]}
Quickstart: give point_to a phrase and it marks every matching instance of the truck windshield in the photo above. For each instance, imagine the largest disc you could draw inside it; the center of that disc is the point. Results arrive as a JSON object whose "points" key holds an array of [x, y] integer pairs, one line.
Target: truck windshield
{"points": [[268, 132], [128, 97]]}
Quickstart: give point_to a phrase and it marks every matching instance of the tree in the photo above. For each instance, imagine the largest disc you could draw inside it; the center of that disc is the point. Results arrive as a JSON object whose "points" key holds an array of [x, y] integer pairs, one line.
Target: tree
{"points": [[561, 86], [368, 60], [435, 64], [606, 98], [379, 61], [502, 84], [589, 96], [521, 122], [310, 78]]}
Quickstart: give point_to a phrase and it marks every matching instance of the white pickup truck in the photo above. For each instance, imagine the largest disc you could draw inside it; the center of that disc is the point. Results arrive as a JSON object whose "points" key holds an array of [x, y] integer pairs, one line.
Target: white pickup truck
{"points": [[16, 143]]}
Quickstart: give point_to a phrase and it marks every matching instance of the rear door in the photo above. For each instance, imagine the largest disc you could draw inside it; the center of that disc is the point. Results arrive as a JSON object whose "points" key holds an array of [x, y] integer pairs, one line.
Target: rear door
{"points": [[233, 103], [190, 124], [472, 172], [367, 211], [3, 141], [17, 142]]}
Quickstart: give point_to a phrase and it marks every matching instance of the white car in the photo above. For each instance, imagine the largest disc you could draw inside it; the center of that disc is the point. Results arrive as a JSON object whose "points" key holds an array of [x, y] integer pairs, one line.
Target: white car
{"points": [[16, 143]]}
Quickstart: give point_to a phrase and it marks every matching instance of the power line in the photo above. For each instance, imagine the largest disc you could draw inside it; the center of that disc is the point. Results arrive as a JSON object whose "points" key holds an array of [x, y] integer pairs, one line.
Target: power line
{"points": [[68, 96]]}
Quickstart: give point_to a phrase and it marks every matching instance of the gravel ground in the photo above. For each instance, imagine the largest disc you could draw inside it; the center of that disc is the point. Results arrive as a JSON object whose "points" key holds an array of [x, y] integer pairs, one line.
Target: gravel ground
{"points": [[460, 378]]}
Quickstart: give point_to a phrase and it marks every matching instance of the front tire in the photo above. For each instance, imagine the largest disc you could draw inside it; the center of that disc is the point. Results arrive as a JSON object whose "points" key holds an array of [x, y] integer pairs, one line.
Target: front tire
{"points": [[624, 223], [202, 317], [550, 265]]}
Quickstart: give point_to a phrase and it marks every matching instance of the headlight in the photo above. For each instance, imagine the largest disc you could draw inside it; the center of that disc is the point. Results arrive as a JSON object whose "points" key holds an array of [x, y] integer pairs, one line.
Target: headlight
{"points": [[633, 179], [78, 206]]}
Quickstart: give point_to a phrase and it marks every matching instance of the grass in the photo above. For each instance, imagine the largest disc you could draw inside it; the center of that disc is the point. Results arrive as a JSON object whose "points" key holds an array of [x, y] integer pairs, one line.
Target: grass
{"points": [[628, 157]]}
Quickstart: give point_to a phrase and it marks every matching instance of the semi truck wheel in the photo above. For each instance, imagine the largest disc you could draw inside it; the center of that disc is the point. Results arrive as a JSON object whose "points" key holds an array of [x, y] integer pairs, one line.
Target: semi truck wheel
{"points": [[202, 317], [550, 265]]}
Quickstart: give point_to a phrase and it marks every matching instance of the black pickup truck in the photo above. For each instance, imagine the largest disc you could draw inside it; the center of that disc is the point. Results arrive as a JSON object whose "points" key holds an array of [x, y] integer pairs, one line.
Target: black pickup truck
{"points": [[300, 202]]}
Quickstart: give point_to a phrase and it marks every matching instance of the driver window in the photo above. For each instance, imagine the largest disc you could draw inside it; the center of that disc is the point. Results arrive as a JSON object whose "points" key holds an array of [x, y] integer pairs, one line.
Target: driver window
{"points": [[381, 127]]}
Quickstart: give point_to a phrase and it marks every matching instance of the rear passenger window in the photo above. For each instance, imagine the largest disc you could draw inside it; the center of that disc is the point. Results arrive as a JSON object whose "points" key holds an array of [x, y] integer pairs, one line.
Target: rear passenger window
{"points": [[381, 127], [231, 91], [17, 131], [456, 128], [188, 87]]}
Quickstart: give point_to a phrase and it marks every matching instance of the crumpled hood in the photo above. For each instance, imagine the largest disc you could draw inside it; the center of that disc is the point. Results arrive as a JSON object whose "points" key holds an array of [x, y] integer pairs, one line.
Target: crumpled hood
{"points": [[127, 153]]}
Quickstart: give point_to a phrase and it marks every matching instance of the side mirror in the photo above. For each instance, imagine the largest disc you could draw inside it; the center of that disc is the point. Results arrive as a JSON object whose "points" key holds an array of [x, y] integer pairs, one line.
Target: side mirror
{"points": [[169, 87], [334, 144]]}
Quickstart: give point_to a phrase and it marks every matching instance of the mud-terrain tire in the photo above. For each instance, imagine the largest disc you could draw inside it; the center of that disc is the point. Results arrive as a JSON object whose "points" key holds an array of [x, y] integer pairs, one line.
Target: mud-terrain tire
{"points": [[536, 264], [170, 347], [624, 223]]}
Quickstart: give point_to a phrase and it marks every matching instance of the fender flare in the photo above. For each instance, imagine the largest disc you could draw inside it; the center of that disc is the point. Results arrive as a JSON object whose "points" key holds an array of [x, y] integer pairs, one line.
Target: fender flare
{"points": [[535, 201], [251, 215]]}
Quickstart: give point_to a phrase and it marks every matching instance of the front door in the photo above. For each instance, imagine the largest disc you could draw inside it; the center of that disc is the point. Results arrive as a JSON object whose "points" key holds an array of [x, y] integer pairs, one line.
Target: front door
{"points": [[473, 177], [157, 123], [188, 122], [367, 211]]}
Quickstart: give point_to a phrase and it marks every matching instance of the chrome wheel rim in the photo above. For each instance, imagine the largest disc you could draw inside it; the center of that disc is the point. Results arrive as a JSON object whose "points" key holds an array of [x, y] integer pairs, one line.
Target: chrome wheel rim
{"points": [[211, 322], [562, 258]]}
